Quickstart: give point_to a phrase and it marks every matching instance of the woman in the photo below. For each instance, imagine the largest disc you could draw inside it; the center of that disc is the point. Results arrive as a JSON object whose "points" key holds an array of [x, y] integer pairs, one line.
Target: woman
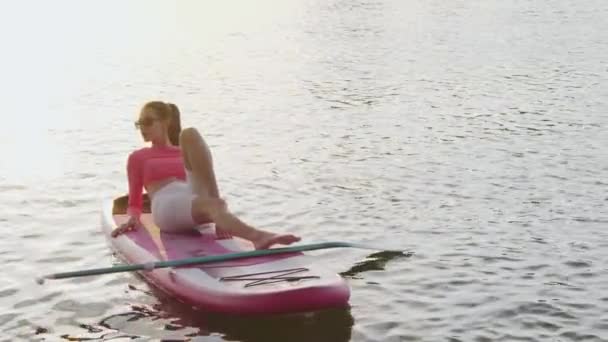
{"points": [[180, 181]]}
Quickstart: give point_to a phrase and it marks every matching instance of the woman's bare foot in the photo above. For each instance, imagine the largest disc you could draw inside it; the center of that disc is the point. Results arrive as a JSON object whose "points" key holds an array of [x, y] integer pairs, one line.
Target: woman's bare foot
{"points": [[267, 240]]}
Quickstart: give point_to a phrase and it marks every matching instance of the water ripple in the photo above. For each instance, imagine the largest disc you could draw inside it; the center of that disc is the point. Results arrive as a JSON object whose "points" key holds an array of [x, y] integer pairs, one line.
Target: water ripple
{"points": [[472, 135]]}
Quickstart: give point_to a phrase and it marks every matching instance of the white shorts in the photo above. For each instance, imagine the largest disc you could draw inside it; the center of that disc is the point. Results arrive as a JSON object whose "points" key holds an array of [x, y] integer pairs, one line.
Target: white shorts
{"points": [[172, 206]]}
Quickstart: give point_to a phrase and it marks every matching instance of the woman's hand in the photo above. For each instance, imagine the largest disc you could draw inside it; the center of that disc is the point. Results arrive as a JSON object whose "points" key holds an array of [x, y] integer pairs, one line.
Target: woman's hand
{"points": [[132, 224]]}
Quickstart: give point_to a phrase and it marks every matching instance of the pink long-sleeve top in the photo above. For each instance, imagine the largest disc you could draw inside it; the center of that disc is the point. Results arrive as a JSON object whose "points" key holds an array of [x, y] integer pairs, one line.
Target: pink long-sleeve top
{"points": [[151, 164]]}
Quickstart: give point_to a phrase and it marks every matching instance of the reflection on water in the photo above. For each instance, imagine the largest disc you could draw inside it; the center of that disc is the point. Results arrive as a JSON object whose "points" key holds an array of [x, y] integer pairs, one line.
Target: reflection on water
{"points": [[374, 262], [171, 320]]}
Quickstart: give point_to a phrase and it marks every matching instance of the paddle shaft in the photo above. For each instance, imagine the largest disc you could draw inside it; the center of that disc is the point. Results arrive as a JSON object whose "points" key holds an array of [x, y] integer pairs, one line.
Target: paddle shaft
{"points": [[202, 260]]}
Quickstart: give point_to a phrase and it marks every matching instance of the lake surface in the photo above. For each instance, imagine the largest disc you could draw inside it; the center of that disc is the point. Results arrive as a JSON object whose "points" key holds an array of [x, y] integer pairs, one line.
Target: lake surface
{"points": [[471, 133]]}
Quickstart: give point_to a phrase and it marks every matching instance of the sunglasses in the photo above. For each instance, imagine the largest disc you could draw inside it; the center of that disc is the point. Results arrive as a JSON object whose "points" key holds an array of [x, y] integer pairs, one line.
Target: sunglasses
{"points": [[145, 122]]}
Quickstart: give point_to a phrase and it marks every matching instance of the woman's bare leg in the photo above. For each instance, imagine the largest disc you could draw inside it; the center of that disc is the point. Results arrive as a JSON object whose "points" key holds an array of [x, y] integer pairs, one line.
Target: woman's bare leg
{"points": [[208, 206], [195, 148]]}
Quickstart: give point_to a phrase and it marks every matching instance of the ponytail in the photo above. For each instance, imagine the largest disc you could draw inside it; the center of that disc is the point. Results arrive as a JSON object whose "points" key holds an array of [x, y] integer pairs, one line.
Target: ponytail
{"points": [[175, 125]]}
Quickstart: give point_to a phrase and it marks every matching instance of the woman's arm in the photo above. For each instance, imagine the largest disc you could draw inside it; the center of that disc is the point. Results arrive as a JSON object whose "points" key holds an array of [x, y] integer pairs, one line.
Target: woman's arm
{"points": [[136, 184], [136, 181]]}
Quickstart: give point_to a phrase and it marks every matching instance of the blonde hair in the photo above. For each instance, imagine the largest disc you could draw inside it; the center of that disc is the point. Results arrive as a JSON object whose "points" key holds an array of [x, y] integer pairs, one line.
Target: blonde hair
{"points": [[167, 111]]}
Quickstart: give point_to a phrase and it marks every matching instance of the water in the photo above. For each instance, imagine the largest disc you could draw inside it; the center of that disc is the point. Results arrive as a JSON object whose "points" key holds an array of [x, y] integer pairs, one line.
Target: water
{"points": [[471, 133]]}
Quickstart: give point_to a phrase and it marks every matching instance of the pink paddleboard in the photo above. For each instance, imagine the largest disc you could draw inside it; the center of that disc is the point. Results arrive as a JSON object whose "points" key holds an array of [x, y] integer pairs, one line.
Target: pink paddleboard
{"points": [[284, 283]]}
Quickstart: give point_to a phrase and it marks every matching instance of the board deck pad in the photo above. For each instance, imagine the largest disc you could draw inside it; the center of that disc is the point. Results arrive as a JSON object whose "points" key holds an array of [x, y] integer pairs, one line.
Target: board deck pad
{"points": [[172, 246]]}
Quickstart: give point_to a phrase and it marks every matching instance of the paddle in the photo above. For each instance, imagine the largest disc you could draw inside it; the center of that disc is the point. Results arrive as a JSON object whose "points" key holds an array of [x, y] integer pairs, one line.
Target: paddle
{"points": [[204, 260]]}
